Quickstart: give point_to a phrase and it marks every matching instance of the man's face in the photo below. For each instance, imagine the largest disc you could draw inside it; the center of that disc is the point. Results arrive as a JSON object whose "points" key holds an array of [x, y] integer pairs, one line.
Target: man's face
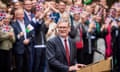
{"points": [[19, 15], [28, 5], [63, 29], [62, 7], [76, 16]]}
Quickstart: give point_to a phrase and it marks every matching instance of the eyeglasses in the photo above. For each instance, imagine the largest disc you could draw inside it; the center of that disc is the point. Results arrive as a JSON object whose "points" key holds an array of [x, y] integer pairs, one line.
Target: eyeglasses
{"points": [[60, 27], [27, 4]]}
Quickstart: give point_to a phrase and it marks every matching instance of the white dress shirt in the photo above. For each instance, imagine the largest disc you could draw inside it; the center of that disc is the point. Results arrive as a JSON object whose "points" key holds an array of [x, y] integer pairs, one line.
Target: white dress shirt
{"points": [[62, 39], [22, 26]]}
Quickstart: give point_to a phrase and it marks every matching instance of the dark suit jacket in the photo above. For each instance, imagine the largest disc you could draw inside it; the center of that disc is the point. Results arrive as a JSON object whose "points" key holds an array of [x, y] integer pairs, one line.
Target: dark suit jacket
{"points": [[27, 19], [19, 47], [39, 39], [40, 31], [56, 55]]}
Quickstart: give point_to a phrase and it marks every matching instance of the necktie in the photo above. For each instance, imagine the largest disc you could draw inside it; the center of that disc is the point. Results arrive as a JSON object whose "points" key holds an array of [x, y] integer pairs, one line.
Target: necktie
{"points": [[67, 52]]}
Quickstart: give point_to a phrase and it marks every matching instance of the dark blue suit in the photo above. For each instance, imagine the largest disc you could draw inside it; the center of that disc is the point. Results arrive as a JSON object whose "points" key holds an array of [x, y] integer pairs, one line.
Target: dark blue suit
{"points": [[22, 52], [56, 55], [27, 19]]}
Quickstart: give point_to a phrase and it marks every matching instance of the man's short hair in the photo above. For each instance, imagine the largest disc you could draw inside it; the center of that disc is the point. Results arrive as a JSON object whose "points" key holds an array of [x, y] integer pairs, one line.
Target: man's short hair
{"points": [[63, 21]]}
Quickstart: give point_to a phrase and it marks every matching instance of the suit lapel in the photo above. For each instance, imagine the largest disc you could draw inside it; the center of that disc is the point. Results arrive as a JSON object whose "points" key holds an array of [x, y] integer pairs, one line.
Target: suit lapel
{"points": [[18, 25], [20, 29], [70, 45], [26, 17], [61, 46], [63, 49]]}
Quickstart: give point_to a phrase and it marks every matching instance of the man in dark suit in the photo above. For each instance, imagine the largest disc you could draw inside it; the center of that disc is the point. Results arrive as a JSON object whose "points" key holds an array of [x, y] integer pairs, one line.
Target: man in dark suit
{"points": [[115, 32], [61, 51], [28, 15], [23, 45]]}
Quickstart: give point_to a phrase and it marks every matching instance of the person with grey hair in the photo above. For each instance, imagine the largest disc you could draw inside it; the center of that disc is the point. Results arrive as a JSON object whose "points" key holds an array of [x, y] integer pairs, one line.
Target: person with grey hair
{"points": [[61, 51]]}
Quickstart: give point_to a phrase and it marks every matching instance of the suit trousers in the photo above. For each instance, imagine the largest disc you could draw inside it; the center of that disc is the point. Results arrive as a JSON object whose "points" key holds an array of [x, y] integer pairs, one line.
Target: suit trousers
{"points": [[5, 60], [39, 64], [118, 61], [22, 62]]}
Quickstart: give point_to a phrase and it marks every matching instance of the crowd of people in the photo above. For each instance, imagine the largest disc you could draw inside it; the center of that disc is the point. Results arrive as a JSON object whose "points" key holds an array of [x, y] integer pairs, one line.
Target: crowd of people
{"points": [[58, 36]]}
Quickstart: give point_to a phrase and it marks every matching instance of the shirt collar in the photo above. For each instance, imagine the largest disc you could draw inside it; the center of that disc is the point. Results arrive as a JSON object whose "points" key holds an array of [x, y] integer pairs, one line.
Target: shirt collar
{"points": [[28, 13], [63, 38], [21, 22]]}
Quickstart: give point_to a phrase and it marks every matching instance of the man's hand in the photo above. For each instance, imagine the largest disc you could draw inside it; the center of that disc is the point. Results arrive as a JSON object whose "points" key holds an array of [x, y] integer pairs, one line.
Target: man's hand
{"points": [[92, 25], [21, 34], [26, 41], [90, 30], [76, 67], [81, 65], [37, 15], [1, 23], [102, 28]]}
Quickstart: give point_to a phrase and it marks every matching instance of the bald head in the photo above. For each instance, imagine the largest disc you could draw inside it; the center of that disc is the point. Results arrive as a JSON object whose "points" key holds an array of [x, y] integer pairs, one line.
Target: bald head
{"points": [[19, 14], [18, 11]]}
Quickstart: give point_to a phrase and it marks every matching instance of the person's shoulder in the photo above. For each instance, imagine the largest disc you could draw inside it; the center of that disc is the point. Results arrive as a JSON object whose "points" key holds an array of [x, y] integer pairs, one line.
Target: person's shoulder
{"points": [[53, 39]]}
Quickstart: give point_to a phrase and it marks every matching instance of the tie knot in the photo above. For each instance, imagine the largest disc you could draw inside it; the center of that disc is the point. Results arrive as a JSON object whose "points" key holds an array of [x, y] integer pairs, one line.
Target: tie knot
{"points": [[65, 40]]}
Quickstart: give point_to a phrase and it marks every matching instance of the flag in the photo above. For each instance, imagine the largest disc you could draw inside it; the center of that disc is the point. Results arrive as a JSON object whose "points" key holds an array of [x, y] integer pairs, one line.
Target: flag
{"points": [[39, 7], [87, 2], [75, 9], [29, 28], [2, 15]]}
